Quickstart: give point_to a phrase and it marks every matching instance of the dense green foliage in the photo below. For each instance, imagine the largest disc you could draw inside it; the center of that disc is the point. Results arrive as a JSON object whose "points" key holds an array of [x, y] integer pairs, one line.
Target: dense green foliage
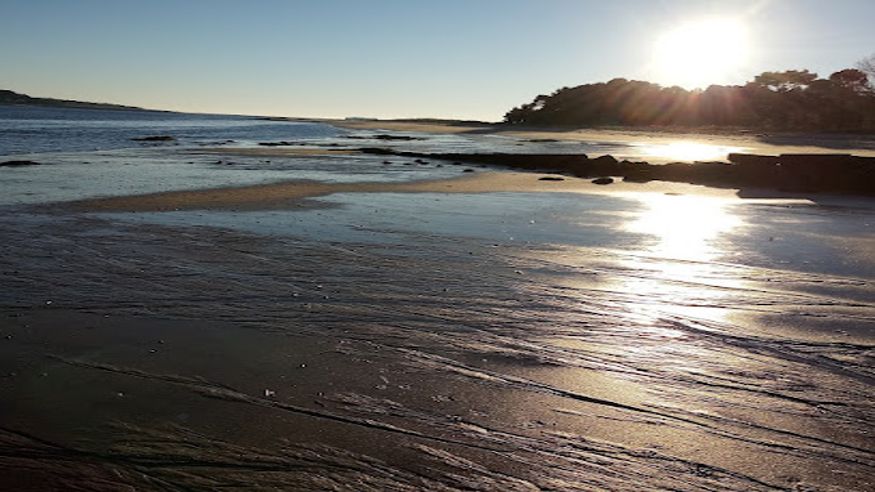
{"points": [[792, 100]]}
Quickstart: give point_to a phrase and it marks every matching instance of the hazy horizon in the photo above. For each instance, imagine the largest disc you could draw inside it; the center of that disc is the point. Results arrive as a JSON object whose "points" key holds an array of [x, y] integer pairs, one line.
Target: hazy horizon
{"points": [[464, 60]]}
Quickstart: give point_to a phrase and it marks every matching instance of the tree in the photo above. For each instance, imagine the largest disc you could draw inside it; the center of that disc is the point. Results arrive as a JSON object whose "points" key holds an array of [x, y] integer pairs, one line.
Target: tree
{"points": [[867, 66], [785, 81], [792, 100], [852, 79]]}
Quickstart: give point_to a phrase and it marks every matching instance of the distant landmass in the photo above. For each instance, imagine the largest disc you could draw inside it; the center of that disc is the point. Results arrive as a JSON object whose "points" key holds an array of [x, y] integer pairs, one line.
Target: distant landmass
{"points": [[11, 97]]}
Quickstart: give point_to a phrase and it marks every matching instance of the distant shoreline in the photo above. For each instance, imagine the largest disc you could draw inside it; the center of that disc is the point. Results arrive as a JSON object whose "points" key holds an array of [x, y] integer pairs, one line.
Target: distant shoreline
{"points": [[430, 125], [13, 98], [769, 143], [445, 126]]}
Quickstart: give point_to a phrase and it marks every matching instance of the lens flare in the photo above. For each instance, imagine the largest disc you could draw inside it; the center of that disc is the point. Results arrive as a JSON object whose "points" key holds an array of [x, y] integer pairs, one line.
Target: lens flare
{"points": [[699, 53]]}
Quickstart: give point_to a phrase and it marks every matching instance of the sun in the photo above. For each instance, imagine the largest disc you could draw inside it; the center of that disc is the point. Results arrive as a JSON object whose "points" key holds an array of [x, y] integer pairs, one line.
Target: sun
{"points": [[699, 53]]}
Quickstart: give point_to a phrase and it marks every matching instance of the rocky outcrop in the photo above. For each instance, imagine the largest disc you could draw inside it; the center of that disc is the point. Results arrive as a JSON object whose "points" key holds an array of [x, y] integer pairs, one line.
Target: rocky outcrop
{"points": [[18, 163], [282, 143], [154, 138], [383, 136], [808, 173]]}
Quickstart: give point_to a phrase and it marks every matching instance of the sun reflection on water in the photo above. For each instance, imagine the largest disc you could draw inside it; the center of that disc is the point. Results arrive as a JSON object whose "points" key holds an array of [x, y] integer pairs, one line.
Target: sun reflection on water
{"points": [[678, 272], [684, 227], [688, 151]]}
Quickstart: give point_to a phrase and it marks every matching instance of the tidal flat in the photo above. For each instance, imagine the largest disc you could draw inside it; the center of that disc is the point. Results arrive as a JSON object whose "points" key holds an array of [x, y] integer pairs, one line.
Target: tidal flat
{"points": [[181, 316]]}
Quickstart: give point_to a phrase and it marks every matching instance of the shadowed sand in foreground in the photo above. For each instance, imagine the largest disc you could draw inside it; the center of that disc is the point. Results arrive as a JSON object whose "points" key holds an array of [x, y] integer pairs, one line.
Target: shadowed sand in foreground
{"points": [[205, 358]]}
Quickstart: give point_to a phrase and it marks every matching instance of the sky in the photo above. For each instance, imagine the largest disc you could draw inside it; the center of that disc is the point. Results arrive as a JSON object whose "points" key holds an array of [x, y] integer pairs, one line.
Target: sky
{"points": [[464, 59]]}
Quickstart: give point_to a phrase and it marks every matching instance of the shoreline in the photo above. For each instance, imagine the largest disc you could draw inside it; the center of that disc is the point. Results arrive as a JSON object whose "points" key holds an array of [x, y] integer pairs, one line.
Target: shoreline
{"points": [[748, 177], [294, 194], [760, 141], [794, 173]]}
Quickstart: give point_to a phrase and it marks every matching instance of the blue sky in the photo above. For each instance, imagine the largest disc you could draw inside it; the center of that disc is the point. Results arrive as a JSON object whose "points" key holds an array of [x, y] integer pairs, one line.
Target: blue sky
{"points": [[392, 58]]}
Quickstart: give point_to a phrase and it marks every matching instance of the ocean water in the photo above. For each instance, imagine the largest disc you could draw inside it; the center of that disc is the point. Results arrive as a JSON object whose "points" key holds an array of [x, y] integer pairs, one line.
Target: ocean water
{"points": [[87, 153], [33, 129]]}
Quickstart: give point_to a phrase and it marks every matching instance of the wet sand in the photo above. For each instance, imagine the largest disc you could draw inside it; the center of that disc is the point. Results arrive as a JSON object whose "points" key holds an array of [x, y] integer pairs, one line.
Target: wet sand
{"points": [[289, 195], [204, 358]]}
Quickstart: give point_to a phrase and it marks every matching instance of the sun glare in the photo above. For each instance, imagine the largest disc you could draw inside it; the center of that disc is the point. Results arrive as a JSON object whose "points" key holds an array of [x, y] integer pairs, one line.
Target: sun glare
{"points": [[684, 226], [682, 265], [699, 53], [688, 151]]}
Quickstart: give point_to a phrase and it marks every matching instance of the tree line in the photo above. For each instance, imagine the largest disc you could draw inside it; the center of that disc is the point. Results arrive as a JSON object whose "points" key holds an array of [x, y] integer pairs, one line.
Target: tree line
{"points": [[790, 100]]}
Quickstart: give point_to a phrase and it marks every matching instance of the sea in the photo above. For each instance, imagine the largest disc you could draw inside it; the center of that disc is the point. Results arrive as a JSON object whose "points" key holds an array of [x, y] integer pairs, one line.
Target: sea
{"points": [[36, 129], [88, 153]]}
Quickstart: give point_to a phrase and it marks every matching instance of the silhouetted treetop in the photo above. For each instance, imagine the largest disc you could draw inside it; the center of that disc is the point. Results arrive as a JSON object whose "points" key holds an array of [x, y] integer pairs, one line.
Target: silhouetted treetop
{"points": [[785, 81], [851, 78], [790, 100], [867, 66]]}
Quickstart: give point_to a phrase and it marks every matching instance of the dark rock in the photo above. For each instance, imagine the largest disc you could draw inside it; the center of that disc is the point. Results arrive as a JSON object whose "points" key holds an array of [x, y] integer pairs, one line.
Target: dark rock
{"points": [[155, 138], [605, 159], [551, 178], [814, 160], [469, 170], [600, 166], [603, 181], [837, 173], [637, 178], [378, 151], [275, 144], [396, 137], [752, 160], [637, 172], [18, 163], [383, 136]]}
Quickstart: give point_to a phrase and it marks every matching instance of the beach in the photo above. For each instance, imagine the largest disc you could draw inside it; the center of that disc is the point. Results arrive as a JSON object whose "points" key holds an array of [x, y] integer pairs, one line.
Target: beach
{"points": [[198, 316]]}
